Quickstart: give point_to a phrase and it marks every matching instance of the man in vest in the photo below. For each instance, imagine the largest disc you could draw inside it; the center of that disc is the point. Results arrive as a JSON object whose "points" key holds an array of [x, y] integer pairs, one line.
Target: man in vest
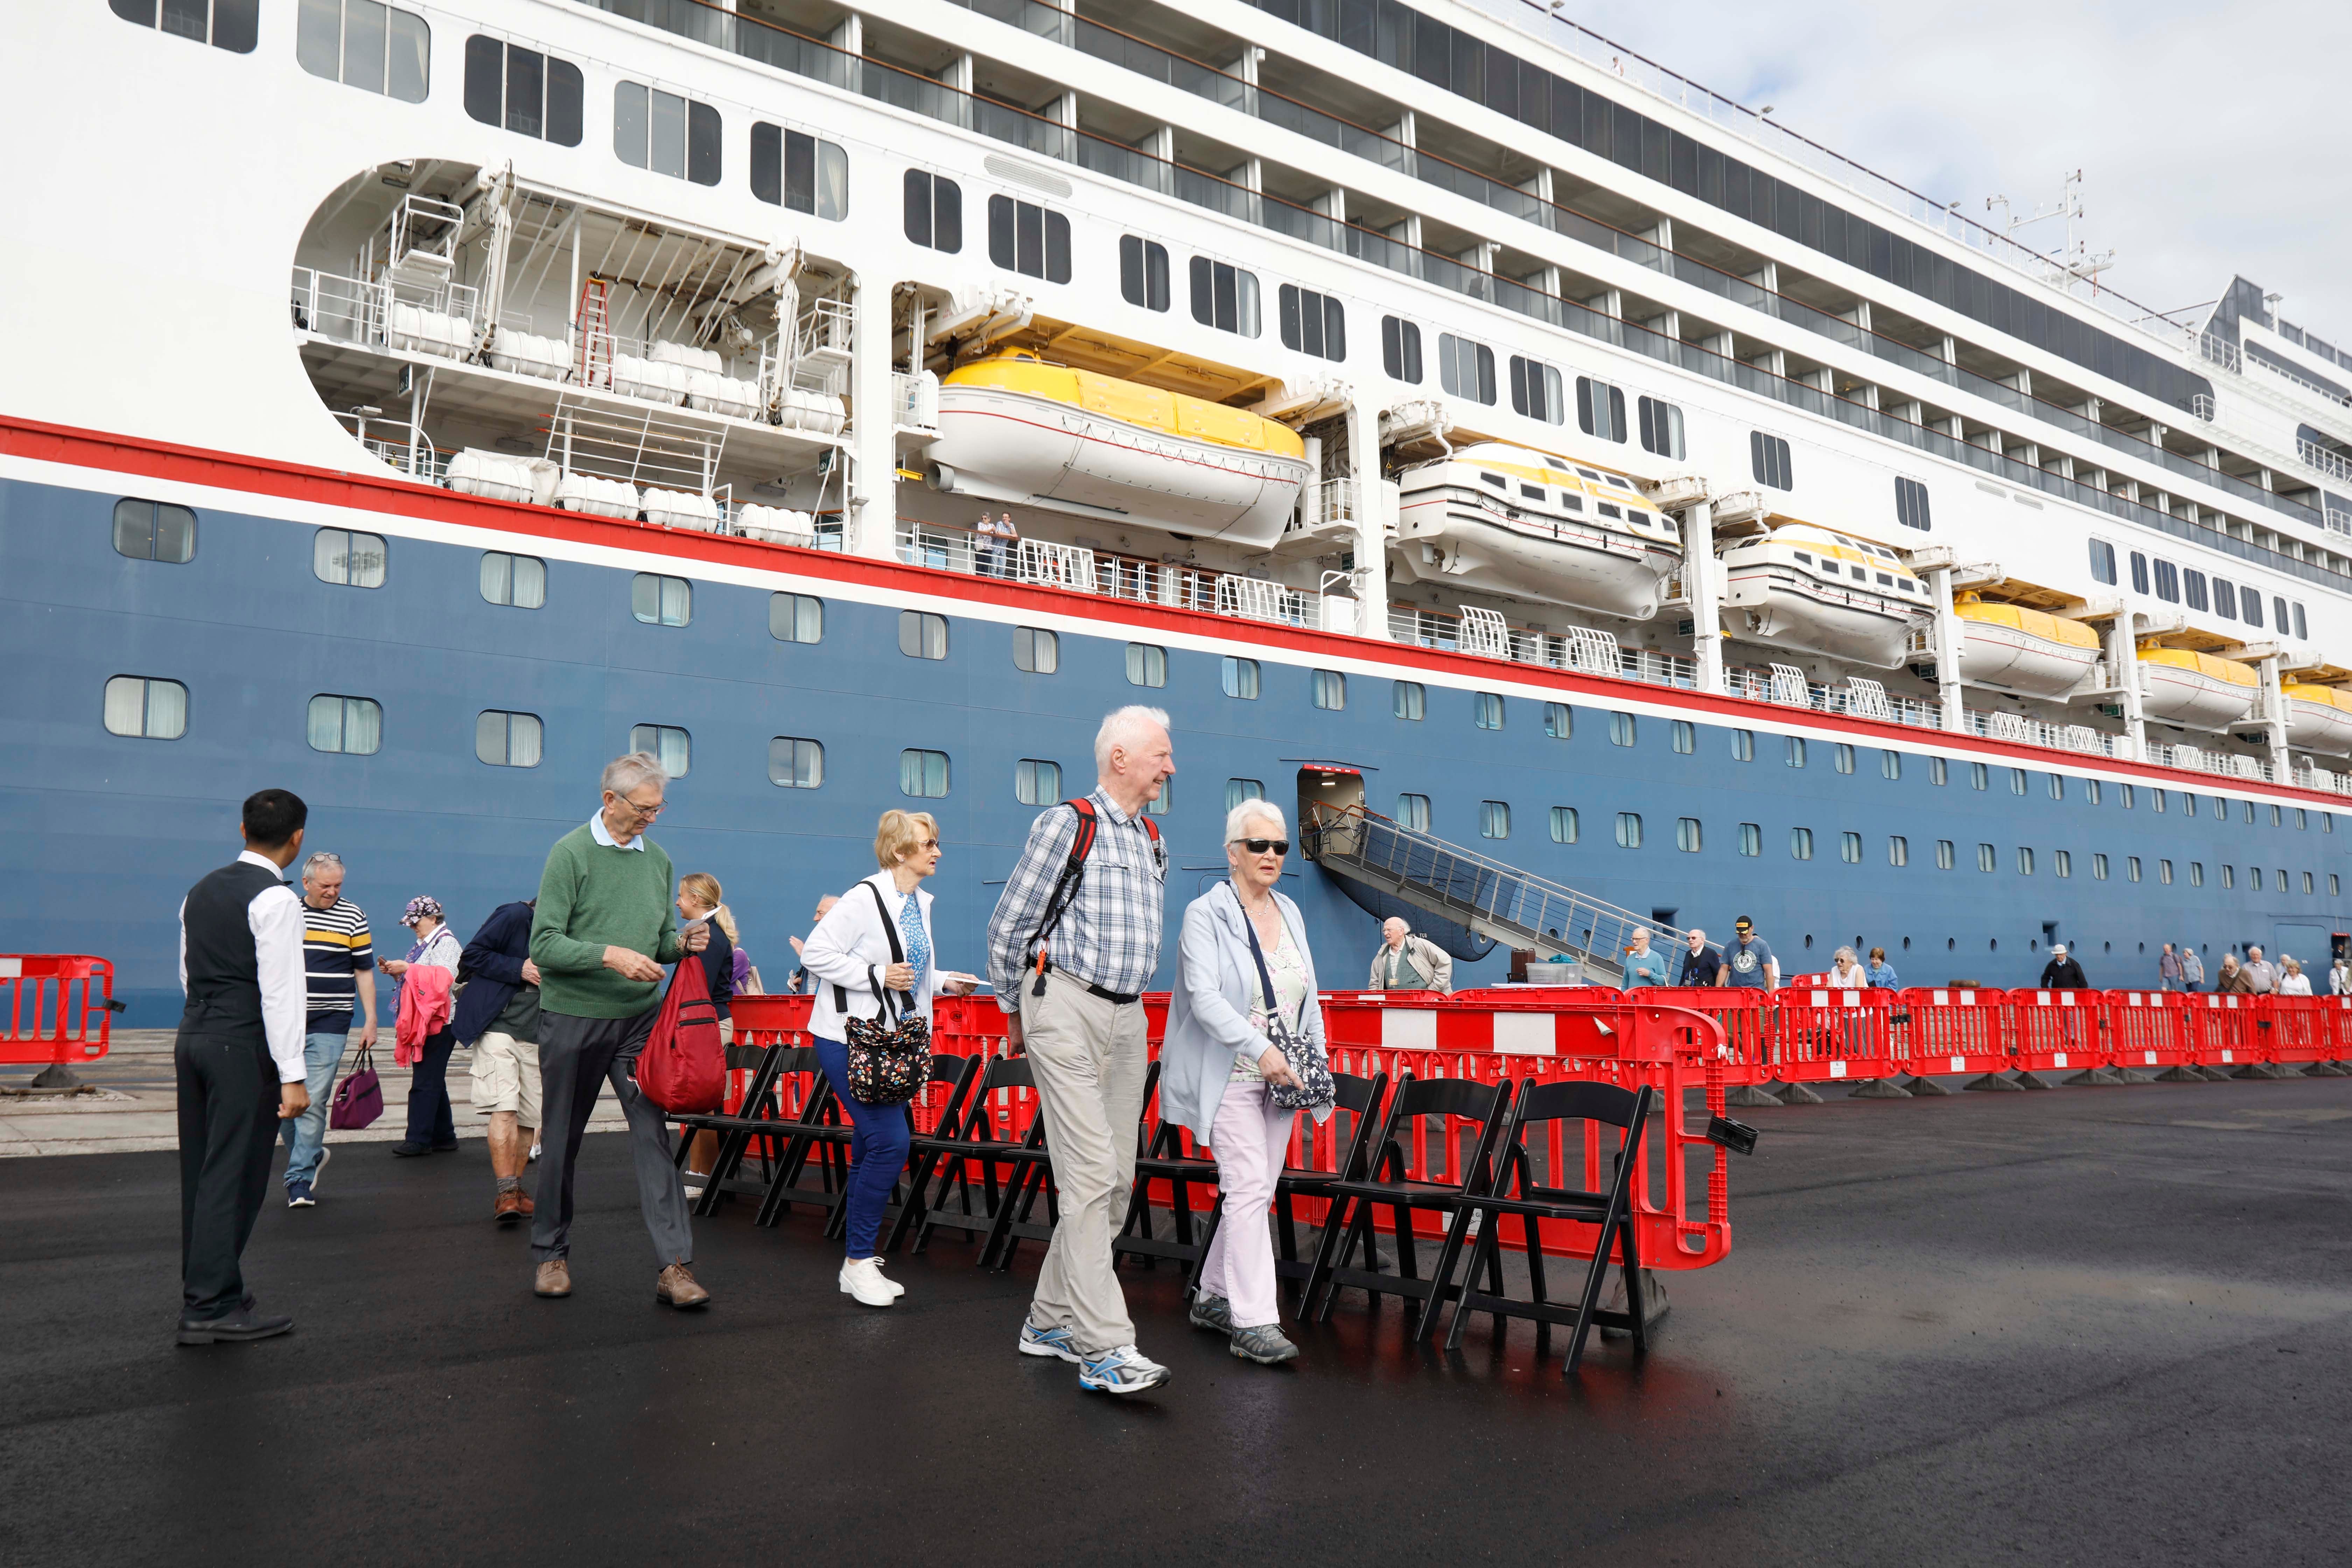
{"points": [[239, 1063], [1404, 961]]}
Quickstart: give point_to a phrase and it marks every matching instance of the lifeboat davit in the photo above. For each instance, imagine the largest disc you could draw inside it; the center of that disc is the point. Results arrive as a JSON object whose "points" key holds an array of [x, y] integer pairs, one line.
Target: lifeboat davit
{"points": [[1507, 519], [1013, 428], [2319, 717], [1804, 586], [2181, 687], [2023, 650]]}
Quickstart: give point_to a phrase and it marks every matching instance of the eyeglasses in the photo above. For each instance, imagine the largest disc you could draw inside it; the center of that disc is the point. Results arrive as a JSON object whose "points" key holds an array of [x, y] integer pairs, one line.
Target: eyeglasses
{"points": [[1260, 846], [930, 843], [648, 812]]}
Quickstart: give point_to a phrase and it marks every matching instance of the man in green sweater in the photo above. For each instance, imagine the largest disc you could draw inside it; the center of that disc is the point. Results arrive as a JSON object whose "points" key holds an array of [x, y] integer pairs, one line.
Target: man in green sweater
{"points": [[604, 926]]}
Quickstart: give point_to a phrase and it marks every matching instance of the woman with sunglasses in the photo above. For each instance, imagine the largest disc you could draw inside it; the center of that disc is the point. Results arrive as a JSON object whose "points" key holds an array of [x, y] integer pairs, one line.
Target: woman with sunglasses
{"points": [[1220, 1065], [849, 965]]}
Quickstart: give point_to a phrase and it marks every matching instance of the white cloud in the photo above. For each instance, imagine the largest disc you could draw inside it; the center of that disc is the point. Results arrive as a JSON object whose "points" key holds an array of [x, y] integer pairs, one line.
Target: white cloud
{"points": [[2212, 139]]}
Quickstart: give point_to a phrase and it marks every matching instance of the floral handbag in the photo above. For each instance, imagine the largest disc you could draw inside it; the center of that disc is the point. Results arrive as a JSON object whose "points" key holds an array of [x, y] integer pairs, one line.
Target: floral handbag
{"points": [[1304, 1055], [890, 1053]]}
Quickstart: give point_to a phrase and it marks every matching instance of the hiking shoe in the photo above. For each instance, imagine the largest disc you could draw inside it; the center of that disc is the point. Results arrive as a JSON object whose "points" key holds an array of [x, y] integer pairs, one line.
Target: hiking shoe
{"points": [[1263, 1344], [1124, 1370], [298, 1196], [1035, 1341], [1213, 1313]]}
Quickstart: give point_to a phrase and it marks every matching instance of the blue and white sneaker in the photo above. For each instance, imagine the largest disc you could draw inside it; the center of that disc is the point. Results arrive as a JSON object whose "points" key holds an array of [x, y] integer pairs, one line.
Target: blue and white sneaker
{"points": [[298, 1196], [1035, 1341], [1122, 1371]]}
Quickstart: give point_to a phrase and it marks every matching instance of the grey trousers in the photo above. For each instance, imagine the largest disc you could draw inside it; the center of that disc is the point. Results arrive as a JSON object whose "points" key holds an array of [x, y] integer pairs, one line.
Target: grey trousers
{"points": [[1087, 1057], [575, 1054]]}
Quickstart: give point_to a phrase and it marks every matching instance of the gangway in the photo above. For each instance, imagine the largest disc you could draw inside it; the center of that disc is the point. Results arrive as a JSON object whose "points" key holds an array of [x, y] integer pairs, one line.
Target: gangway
{"points": [[1515, 908]]}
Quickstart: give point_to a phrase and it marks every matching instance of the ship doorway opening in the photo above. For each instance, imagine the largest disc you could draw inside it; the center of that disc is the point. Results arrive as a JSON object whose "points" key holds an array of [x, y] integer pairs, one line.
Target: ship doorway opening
{"points": [[1326, 790]]}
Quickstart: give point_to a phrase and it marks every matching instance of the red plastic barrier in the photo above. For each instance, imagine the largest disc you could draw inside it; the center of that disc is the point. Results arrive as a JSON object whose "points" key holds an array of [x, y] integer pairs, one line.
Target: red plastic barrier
{"points": [[2151, 1030], [1829, 1034], [1946, 1029], [2221, 1028], [57, 1008], [2057, 1031]]}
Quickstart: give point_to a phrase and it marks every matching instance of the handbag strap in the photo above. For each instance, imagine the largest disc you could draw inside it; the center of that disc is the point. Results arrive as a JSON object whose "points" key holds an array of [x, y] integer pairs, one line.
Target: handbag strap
{"points": [[1266, 975], [882, 994]]}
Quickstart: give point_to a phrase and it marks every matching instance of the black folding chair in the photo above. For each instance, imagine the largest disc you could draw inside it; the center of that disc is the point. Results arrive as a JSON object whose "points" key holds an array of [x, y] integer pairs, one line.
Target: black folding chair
{"points": [[1162, 1159], [942, 1166], [762, 1116], [1358, 1099], [1519, 1191], [1415, 1099], [959, 1074]]}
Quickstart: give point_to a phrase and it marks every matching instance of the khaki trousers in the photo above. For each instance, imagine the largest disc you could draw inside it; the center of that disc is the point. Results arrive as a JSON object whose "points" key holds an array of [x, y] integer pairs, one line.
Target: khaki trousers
{"points": [[1087, 1057]]}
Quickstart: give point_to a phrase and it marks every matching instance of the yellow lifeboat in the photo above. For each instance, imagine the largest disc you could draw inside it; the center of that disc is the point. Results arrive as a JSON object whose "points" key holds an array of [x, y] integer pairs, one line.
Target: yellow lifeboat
{"points": [[2319, 717], [2017, 649], [2198, 689], [1510, 519], [1805, 586], [1014, 428]]}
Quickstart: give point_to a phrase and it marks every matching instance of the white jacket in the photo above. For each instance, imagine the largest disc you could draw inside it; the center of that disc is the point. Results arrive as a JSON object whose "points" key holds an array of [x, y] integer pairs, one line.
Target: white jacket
{"points": [[849, 941]]}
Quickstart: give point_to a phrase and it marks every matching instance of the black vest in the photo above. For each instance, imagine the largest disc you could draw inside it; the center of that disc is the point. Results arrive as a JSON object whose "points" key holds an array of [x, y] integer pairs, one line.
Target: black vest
{"points": [[223, 965]]}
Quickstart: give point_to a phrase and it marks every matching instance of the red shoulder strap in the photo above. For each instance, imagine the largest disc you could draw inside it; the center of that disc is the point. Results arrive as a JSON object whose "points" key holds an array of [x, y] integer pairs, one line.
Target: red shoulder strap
{"points": [[1083, 844], [1152, 828]]}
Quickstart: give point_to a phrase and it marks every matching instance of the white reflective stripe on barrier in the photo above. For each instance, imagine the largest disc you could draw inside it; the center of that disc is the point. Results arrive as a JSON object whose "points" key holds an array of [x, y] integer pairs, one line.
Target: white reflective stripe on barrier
{"points": [[1524, 1035], [1408, 1029]]}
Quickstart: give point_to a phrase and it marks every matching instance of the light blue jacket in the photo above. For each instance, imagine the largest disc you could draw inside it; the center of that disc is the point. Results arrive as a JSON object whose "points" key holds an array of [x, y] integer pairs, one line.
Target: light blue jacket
{"points": [[1208, 1014]]}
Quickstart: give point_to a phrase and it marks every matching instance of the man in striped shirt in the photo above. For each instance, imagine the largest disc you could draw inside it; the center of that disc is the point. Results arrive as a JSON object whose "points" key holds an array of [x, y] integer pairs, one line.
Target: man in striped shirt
{"points": [[339, 970], [1070, 978]]}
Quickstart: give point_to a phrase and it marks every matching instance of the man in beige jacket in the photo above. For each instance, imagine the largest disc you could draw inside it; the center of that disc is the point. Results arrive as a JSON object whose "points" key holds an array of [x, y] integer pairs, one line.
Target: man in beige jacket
{"points": [[1408, 963]]}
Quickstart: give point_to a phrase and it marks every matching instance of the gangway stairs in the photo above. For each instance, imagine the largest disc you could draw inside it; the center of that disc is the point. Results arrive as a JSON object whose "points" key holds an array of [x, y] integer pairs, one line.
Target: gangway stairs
{"points": [[1503, 904]]}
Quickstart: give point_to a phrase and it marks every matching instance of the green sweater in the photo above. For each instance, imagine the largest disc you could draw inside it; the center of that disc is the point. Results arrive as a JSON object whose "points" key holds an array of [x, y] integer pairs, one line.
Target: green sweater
{"points": [[592, 898]]}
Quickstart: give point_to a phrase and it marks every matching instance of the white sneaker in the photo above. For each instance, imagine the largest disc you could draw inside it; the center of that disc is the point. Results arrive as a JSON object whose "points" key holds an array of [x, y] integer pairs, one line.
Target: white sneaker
{"points": [[863, 1281], [534, 1151], [320, 1170], [887, 1283]]}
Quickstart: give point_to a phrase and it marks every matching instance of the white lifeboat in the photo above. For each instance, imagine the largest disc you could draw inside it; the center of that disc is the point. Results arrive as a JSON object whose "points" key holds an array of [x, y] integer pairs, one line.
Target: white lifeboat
{"points": [[2023, 650], [1805, 586], [2182, 686], [1509, 520], [2319, 717], [1013, 428]]}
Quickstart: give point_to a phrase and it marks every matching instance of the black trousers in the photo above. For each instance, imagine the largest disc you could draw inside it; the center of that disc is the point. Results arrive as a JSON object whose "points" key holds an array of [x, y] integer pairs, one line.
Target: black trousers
{"points": [[228, 1127], [430, 1122]]}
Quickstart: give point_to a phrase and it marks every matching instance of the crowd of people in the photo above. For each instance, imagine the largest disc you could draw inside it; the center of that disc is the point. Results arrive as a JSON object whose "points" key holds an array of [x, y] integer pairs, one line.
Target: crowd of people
{"points": [[556, 996]]}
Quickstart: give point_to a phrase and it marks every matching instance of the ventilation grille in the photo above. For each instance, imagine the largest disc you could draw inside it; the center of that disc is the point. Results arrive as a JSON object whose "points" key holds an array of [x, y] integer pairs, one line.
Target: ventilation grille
{"points": [[1036, 179]]}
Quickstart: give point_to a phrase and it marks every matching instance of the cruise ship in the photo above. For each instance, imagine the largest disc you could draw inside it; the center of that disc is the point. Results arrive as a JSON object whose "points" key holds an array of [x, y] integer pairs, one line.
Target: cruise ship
{"points": [[1579, 500]]}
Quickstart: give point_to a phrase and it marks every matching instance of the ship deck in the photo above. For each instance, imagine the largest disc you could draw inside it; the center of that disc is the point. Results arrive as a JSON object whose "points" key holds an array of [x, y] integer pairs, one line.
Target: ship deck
{"points": [[2090, 1327]]}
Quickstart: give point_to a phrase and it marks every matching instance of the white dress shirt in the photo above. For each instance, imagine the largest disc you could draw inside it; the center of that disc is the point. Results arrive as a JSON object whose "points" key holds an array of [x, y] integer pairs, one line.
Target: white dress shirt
{"points": [[275, 917], [604, 835]]}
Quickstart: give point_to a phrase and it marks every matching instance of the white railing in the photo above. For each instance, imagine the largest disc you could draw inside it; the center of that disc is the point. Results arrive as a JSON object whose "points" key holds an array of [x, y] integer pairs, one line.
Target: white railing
{"points": [[915, 400], [2335, 464], [1332, 502], [1057, 565]]}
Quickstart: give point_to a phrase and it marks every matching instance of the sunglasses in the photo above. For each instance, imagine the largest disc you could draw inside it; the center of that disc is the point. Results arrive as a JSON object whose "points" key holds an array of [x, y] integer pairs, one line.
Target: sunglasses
{"points": [[930, 843], [1260, 846]]}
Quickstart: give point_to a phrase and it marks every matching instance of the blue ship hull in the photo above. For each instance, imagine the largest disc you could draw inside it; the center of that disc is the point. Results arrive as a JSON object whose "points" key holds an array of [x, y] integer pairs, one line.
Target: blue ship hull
{"points": [[110, 830]]}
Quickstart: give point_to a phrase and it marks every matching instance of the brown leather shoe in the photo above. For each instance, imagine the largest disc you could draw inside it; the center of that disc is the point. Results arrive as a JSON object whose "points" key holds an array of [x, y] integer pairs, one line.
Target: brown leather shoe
{"points": [[524, 1206], [677, 1287], [509, 1209], [554, 1279]]}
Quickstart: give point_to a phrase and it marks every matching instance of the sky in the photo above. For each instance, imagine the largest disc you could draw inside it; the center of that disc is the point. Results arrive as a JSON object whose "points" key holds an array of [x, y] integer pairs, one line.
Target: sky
{"points": [[2212, 139]]}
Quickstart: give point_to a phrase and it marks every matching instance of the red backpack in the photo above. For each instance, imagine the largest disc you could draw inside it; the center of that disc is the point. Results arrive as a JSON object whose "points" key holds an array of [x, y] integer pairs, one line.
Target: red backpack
{"points": [[683, 1067]]}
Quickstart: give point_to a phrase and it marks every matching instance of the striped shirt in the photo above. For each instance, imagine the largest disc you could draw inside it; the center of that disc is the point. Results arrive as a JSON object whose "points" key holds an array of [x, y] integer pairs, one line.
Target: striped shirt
{"points": [[334, 950], [1109, 934]]}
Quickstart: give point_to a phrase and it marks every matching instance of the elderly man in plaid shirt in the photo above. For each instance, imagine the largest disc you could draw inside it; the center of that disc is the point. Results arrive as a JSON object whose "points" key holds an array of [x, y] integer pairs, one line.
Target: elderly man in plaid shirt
{"points": [[1070, 971]]}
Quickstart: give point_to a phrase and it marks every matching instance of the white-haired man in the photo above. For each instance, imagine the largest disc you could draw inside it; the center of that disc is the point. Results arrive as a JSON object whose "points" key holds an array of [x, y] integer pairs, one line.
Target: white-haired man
{"points": [[1404, 961], [1073, 941], [601, 929]]}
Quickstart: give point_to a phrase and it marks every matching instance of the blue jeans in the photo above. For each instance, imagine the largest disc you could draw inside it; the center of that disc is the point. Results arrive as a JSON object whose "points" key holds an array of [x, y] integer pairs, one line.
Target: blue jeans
{"points": [[322, 1052], [878, 1137]]}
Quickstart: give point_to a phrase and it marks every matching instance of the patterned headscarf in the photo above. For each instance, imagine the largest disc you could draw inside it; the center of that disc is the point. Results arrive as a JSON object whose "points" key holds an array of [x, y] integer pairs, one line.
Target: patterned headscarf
{"points": [[418, 909]]}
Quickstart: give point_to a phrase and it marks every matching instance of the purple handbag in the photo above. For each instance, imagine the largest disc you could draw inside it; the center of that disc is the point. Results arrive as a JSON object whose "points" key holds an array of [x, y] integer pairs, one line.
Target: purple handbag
{"points": [[359, 1098]]}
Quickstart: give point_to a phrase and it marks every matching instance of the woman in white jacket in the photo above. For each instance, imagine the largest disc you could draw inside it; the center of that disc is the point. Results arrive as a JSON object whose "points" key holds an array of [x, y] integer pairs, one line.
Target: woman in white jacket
{"points": [[1218, 1068], [849, 965]]}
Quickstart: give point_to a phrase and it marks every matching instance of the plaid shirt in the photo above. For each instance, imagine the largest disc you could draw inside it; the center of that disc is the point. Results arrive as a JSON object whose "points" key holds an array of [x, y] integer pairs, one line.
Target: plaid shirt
{"points": [[1109, 934]]}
